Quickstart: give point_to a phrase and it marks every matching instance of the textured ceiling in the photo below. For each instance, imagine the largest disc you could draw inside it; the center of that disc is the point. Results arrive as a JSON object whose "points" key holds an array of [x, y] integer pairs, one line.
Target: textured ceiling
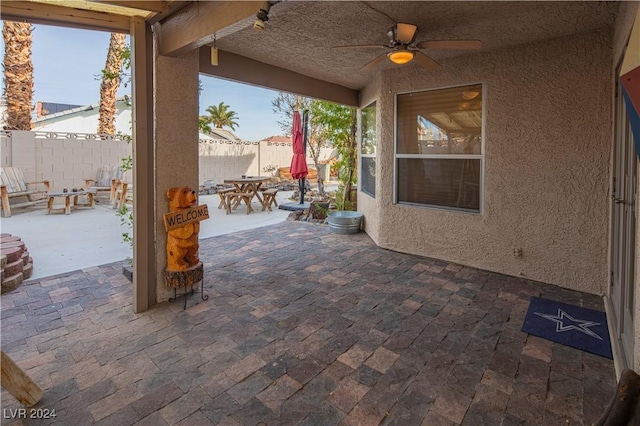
{"points": [[300, 34]]}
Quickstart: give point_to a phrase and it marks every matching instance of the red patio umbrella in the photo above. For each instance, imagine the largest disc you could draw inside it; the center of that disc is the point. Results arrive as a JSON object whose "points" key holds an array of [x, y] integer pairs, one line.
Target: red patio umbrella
{"points": [[299, 168]]}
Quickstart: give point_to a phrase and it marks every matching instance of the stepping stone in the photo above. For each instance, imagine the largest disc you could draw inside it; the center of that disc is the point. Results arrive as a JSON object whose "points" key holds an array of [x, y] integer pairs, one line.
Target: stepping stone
{"points": [[9, 239], [12, 244], [12, 254], [14, 268], [25, 257], [11, 283], [27, 271]]}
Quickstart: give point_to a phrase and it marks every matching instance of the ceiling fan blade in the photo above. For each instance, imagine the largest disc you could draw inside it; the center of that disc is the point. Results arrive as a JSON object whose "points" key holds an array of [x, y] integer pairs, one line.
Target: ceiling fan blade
{"points": [[450, 44], [373, 63], [426, 62], [352, 46], [405, 32]]}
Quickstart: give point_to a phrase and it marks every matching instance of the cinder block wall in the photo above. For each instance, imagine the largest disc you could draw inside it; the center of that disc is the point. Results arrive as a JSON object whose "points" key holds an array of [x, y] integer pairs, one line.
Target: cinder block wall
{"points": [[69, 158], [220, 160], [65, 162]]}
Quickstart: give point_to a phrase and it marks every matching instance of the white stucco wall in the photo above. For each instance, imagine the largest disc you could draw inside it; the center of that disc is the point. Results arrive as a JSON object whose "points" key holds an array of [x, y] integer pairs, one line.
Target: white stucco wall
{"points": [[547, 152]]}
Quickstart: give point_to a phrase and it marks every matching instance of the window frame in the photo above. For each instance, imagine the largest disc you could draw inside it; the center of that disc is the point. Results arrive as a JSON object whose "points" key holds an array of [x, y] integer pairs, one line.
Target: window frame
{"points": [[481, 156], [375, 147]]}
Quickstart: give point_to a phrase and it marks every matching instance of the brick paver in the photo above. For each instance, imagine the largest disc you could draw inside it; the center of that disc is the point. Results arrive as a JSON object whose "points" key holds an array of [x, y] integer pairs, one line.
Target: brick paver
{"points": [[302, 327]]}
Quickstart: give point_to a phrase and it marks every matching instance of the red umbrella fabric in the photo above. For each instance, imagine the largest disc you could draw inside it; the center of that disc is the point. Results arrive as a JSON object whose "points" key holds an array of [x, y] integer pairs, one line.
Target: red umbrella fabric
{"points": [[299, 168]]}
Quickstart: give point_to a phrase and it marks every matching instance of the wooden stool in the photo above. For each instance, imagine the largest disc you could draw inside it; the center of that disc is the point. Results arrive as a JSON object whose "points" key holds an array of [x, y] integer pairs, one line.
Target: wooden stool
{"points": [[269, 197], [223, 198], [237, 197]]}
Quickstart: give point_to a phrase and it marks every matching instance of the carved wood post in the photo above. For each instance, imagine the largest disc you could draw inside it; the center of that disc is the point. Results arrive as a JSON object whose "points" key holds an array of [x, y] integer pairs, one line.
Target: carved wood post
{"points": [[17, 383]]}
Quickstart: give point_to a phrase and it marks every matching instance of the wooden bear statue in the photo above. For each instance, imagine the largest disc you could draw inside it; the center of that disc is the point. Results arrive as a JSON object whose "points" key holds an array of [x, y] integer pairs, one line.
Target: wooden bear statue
{"points": [[182, 242]]}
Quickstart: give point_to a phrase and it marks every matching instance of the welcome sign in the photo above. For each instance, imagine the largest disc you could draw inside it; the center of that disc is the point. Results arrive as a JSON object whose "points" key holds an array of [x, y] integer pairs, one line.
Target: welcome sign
{"points": [[173, 220]]}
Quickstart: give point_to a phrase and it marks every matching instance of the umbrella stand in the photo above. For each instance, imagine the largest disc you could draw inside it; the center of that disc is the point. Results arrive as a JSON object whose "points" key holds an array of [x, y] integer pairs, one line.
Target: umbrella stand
{"points": [[301, 188], [301, 185], [302, 205]]}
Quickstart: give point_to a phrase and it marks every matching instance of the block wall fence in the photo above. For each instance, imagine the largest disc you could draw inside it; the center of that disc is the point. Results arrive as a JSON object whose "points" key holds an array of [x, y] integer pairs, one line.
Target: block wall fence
{"points": [[67, 159]]}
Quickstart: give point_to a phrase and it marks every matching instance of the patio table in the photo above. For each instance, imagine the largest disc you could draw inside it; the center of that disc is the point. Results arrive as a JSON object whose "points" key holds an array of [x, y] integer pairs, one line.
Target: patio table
{"points": [[248, 185], [88, 193]]}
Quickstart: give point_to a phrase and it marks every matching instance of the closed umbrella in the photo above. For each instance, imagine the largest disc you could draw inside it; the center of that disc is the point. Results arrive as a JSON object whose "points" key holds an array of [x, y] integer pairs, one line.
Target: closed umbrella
{"points": [[299, 168]]}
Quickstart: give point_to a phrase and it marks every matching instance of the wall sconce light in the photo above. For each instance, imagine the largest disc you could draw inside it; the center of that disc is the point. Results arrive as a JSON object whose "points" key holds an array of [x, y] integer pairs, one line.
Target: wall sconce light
{"points": [[263, 17], [401, 56]]}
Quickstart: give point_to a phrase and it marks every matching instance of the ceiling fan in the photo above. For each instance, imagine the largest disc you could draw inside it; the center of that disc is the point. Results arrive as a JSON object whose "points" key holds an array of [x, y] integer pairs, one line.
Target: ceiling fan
{"points": [[404, 48]]}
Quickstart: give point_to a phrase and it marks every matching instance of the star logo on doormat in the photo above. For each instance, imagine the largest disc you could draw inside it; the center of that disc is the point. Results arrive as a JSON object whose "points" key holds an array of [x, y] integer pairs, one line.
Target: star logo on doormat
{"points": [[565, 322]]}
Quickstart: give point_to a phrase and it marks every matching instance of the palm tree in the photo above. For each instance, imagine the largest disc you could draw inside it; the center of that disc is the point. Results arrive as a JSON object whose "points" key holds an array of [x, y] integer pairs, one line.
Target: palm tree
{"points": [[18, 74], [220, 116], [111, 77]]}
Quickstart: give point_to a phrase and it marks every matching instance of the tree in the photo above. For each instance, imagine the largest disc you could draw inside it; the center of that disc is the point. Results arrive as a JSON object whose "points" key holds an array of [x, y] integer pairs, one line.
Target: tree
{"points": [[118, 59], [220, 116], [337, 123], [18, 74], [285, 104]]}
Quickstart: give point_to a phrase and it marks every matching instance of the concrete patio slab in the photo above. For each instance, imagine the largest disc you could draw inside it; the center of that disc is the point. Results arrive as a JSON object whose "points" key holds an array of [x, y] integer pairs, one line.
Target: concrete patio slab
{"points": [[61, 243], [301, 327]]}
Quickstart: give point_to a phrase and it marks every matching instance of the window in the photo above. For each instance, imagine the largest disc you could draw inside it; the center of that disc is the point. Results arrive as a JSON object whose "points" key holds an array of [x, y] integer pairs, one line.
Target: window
{"points": [[368, 149], [439, 148]]}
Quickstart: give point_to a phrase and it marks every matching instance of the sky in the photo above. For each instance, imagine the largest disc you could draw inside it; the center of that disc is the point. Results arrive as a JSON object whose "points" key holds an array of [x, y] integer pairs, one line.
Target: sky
{"points": [[66, 62]]}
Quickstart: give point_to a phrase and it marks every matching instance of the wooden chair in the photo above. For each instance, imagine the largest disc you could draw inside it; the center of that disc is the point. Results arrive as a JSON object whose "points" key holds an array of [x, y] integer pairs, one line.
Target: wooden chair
{"points": [[13, 185], [106, 180], [120, 194], [269, 198]]}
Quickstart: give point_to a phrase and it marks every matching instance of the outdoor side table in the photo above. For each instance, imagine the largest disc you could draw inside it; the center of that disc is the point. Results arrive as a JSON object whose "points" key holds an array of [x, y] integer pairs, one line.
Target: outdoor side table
{"points": [[66, 208]]}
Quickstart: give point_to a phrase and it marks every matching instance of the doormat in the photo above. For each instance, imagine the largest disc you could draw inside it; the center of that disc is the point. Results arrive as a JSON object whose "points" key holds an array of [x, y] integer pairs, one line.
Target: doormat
{"points": [[581, 328]]}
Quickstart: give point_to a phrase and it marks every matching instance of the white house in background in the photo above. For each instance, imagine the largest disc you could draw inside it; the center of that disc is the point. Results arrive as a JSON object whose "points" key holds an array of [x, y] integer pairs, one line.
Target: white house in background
{"points": [[84, 119]]}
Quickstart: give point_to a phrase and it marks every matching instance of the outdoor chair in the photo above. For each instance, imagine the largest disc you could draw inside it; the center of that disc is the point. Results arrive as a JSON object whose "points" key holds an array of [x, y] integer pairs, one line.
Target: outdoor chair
{"points": [[120, 194], [13, 185], [105, 180], [269, 198]]}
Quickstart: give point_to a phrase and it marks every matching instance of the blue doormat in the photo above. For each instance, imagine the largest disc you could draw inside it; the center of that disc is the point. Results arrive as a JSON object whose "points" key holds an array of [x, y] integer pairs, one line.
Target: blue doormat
{"points": [[581, 328]]}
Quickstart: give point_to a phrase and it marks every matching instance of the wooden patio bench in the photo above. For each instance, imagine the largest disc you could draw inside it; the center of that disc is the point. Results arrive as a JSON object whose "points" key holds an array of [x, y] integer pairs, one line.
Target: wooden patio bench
{"points": [[13, 185]]}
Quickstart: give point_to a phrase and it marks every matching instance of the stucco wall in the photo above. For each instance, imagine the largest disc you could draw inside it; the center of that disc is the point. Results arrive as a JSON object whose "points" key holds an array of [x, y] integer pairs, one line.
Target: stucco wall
{"points": [[176, 162], [547, 152]]}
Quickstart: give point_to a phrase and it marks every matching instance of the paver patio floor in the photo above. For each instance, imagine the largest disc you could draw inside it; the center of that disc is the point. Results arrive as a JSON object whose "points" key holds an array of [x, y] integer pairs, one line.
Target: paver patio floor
{"points": [[342, 332]]}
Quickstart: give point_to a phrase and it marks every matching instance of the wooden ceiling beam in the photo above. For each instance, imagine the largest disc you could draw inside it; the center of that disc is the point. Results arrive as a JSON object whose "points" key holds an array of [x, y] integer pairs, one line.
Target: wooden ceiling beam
{"points": [[151, 6], [245, 70], [194, 25], [41, 13]]}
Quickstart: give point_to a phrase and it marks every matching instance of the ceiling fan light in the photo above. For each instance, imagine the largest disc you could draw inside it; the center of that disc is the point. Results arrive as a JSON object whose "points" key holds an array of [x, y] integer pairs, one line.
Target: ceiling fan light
{"points": [[401, 57]]}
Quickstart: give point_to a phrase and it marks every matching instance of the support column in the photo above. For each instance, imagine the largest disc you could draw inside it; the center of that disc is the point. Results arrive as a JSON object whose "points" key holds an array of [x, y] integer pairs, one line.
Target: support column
{"points": [[144, 249], [176, 139]]}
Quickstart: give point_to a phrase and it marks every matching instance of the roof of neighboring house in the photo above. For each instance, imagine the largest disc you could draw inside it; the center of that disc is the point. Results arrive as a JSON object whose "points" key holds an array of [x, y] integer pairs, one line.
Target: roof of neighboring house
{"points": [[120, 102], [277, 139], [217, 133], [46, 108]]}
